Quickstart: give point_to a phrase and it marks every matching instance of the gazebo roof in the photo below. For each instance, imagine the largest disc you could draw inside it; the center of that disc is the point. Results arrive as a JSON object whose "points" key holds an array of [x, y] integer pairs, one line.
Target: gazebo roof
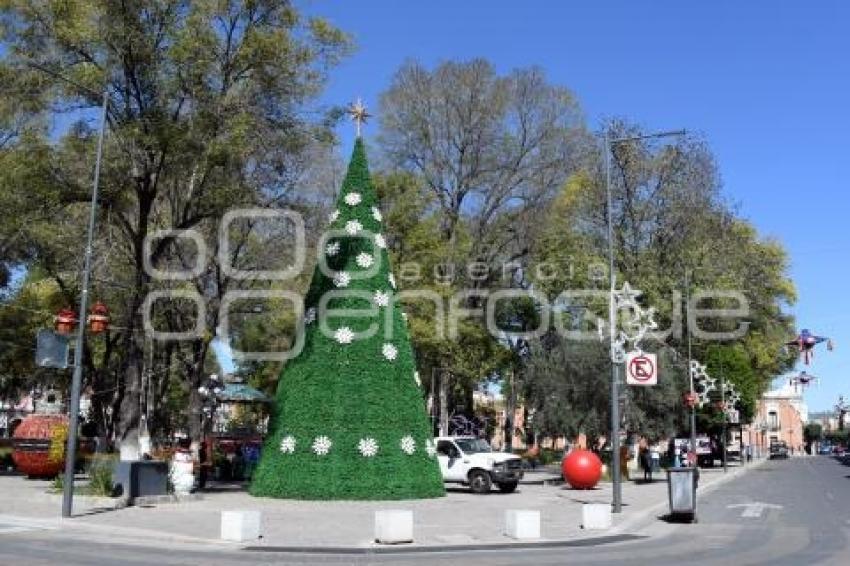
{"points": [[242, 392]]}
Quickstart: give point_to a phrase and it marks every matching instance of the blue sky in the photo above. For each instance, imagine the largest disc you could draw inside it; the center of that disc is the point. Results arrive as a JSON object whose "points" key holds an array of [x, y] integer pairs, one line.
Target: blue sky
{"points": [[766, 83]]}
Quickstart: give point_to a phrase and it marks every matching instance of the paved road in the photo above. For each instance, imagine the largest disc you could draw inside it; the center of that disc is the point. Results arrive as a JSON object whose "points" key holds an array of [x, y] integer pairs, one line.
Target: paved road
{"points": [[782, 513]]}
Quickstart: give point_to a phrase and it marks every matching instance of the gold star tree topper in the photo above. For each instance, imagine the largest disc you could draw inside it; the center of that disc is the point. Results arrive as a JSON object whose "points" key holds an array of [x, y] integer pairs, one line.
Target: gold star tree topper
{"points": [[358, 114]]}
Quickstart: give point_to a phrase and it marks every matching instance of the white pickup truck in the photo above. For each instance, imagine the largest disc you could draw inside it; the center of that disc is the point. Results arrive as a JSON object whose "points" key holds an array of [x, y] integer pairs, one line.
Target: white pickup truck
{"points": [[471, 461]]}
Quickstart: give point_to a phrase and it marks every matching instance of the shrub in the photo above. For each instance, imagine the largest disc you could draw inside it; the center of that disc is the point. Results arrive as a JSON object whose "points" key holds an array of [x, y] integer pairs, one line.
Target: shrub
{"points": [[100, 476]]}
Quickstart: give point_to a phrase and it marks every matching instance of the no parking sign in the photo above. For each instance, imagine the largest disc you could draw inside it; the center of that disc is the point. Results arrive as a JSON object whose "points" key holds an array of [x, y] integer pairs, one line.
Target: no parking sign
{"points": [[641, 369]]}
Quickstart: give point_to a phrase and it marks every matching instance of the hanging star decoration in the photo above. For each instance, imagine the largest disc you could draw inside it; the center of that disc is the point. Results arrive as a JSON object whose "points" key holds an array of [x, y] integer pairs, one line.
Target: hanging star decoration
{"points": [[731, 396], [703, 381], [641, 322], [358, 114], [803, 380], [638, 322], [805, 342], [626, 298]]}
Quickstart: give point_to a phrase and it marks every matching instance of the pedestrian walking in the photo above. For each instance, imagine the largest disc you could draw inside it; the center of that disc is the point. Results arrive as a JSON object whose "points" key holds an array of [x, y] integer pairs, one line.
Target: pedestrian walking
{"points": [[645, 463]]}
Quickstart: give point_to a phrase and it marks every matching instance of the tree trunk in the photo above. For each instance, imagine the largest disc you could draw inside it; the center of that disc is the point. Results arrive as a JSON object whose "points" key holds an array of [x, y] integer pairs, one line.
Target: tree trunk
{"points": [[510, 406], [444, 405], [131, 410]]}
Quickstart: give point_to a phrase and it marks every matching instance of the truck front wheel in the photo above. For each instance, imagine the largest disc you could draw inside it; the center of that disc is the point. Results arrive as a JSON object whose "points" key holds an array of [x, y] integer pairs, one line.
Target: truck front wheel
{"points": [[508, 486], [479, 481]]}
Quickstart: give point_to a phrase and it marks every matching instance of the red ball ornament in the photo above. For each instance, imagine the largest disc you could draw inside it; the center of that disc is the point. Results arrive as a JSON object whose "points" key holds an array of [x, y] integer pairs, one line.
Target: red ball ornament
{"points": [[582, 469], [39, 445]]}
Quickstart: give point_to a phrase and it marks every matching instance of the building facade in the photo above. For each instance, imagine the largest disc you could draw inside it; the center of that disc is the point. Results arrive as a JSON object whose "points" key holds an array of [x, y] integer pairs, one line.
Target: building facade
{"points": [[780, 415]]}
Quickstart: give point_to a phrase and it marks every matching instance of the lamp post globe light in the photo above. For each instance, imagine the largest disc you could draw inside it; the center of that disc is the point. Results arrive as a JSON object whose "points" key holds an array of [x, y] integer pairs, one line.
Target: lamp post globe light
{"points": [[616, 355]]}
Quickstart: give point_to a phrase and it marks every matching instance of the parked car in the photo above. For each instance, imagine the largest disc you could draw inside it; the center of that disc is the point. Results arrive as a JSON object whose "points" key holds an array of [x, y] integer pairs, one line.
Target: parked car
{"points": [[778, 450], [705, 452], [470, 461]]}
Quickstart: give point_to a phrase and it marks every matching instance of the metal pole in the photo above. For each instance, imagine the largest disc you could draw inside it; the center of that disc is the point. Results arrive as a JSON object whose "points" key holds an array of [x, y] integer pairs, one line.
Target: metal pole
{"points": [[617, 485], [612, 323], [690, 357], [71, 448], [723, 402]]}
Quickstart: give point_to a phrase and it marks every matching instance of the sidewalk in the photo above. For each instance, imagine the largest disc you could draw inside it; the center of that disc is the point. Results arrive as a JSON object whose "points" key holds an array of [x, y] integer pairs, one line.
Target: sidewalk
{"points": [[460, 518]]}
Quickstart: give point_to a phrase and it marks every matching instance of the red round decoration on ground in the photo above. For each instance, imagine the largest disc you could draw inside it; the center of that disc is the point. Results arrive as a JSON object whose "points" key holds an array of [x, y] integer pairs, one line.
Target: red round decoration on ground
{"points": [[582, 469], [39, 445]]}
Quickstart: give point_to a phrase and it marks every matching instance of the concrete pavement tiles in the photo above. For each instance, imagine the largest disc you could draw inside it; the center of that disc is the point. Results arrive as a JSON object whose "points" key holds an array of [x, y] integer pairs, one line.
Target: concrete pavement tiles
{"points": [[459, 519]]}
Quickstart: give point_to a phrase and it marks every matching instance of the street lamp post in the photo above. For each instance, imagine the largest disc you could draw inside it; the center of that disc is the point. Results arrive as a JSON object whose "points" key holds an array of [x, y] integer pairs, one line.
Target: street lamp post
{"points": [[617, 484], [690, 361], [723, 405], [77, 378]]}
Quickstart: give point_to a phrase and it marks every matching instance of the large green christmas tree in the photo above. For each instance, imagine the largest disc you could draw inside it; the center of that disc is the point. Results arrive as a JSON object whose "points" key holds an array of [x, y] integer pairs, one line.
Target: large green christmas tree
{"points": [[349, 420]]}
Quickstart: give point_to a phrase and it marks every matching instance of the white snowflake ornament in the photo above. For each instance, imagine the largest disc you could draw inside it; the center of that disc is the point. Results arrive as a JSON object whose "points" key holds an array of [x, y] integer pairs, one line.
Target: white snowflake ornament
{"points": [[381, 298], [365, 260], [310, 316], [408, 445], [332, 249], [333, 216], [353, 227], [342, 279], [344, 335], [380, 241], [287, 444], [376, 214], [322, 445], [368, 447], [353, 199], [390, 352]]}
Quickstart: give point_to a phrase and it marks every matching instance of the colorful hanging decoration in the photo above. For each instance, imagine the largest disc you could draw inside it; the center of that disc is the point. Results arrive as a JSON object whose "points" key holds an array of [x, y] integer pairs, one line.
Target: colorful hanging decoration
{"points": [[802, 380], [805, 342]]}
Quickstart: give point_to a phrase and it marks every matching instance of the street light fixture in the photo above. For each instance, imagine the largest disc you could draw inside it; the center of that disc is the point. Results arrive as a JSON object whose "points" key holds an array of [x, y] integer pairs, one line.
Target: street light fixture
{"points": [[615, 364], [76, 380]]}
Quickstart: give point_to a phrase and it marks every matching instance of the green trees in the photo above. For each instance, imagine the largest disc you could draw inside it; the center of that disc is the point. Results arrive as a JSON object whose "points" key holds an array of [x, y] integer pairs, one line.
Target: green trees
{"points": [[210, 110], [670, 220], [350, 420]]}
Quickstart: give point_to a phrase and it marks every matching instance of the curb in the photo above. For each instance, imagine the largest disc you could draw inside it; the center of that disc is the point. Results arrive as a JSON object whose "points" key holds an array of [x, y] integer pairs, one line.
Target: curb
{"points": [[89, 502], [484, 547], [554, 480], [166, 499]]}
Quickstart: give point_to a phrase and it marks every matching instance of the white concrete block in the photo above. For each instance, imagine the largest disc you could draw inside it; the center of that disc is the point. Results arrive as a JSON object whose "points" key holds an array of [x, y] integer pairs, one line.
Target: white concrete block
{"points": [[240, 526], [393, 526], [596, 516], [522, 524]]}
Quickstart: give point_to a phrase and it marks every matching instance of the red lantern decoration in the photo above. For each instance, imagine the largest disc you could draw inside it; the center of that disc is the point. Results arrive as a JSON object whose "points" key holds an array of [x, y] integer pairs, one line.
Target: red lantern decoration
{"points": [[39, 445], [99, 318], [582, 469], [690, 399], [66, 320]]}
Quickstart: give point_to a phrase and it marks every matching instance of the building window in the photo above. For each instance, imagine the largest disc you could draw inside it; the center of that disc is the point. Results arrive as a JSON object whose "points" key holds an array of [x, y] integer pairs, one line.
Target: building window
{"points": [[773, 421]]}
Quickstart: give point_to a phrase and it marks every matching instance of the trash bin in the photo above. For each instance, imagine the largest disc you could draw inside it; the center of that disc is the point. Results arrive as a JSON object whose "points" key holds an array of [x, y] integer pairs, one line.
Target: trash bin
{"points": [[682, 492]]}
